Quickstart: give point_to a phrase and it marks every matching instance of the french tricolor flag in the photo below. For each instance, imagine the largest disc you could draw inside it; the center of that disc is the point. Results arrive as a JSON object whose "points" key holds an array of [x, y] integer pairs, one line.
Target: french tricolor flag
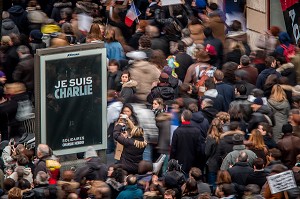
{"points": [[132, 14]]}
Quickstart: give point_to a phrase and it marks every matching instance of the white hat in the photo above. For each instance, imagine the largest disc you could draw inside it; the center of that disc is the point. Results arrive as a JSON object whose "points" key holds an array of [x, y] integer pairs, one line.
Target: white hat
{"points": [[90, 152], [137, 55]]}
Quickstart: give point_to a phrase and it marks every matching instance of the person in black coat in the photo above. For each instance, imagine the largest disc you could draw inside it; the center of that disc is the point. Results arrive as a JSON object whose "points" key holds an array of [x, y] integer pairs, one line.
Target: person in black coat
{"points": [[198, 119], [207, 109], [93, 169], [184, 60], [224, 89], [134, 146], [187, 144], [259, 176], [216, 43], [114, 76], [212, 93], [270, 69], [19, 16], [36, 42]]}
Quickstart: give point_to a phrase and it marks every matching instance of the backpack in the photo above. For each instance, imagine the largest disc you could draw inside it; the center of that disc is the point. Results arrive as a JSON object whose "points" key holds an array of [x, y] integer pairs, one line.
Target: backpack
{"points": [[202, 76], [288, 52]]}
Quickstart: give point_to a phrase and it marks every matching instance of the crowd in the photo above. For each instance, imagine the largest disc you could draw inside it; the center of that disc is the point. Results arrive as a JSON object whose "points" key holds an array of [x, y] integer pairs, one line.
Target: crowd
{"points": [[193, 111]]}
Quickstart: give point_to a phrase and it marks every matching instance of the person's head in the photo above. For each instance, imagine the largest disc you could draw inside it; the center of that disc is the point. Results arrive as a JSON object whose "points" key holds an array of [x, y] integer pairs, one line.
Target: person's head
{"points": [[131, 180], [229, 69], [125, 77], [287, 128], [270, 61], [6, 41], [185, 32], [257, 104], [193, 107], [24, 184], [275, 154], [275, 30], [15, 193], [210, 84], [264, 128], [152, 31], [113, 66], [236, 26], [186, 116], [110, 36], [245, 60], [22, 160], [234, 125], [42, 178], [212, 7], [252, 189], [223, 176], [257, 140], [185, 88], [164, 78], [208, 32], [215, 129], [119, 174], [8, 183], [277, 93], [294, 117], [145, 42], [158, 58], [43, 150], [206, 103], [241, 89], [127, 110], [181, 46], [142, 25], [90, 153], [258, 164], [35, 35], [23, 50], [223, 116], [169, 194], [218, 75], [195, 173], [202, 56], [278, 168], [158, 104], [243, 157], [145, 167], [190, 186], [137, 132], [238, 139], [68, 175]]}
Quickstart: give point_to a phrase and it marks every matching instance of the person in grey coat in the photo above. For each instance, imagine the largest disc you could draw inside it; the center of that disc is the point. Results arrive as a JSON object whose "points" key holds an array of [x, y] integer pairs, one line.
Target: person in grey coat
{"points": [[8, 25]]}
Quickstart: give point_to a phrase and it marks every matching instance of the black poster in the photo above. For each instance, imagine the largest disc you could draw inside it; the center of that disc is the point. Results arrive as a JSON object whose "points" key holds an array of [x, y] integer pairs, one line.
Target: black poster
{"points": [[292, 21], [73, 102]]}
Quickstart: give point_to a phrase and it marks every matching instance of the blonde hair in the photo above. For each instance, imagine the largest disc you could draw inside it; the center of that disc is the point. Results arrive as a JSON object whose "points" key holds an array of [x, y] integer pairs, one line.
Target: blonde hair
{"points": [[223, 116], [257, 139], [277, 93], [215, 129], [137, 132]]}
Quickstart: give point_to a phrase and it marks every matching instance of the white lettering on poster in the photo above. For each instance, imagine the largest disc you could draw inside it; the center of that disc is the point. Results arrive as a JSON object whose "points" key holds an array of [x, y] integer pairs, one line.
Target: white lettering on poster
{"points": [[296, 33], [73, 88], [75, 141], [281, 182]]}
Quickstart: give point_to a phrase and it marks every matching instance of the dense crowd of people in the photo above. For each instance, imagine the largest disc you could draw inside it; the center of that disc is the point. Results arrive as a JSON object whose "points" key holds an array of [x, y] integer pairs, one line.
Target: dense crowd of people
{"points": [[193, 111]]}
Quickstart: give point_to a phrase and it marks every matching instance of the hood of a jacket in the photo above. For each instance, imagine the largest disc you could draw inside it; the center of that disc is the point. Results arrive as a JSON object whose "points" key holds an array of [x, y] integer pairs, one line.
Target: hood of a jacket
{"points": [[197, 117], [94, 163], [211, 93], [129, 84], [278, 105], [284, 67], [8, 24], [237, 35], [210, 110], [163, 117], [143, 67], [16, 10], [284, 38]]}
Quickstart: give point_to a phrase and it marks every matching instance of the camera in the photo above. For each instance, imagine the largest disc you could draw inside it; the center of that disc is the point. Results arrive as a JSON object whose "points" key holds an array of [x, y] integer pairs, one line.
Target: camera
{"points": [[123, 116], [123, 129]]}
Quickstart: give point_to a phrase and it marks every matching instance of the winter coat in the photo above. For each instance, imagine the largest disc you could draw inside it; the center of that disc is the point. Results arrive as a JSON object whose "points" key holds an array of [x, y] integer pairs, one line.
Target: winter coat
{"points": [[92, 170], [157, 43], [27, 174], [209, 113], [134, 40], [12, 60], [263, 114], [19, 16], [257, 177], [113, 81], [281, 111], [45, 191], [162, 90], [217, 44], [284, 39], [28, 194], [8, 112], [37, 45], [197, 33], [144, 73], [41, 166], [219, 102], [213, 160], [227, 91], [131, 154], [163, 123], [199, 121], [36, 18], [131, 191], [184, 61], [252, 73], [289, 145], [24, 72], [114, 50], [262, 77], [236, 36], [8, 27], [248, 86], [218, 27], [288, 70], [240, 172], [187, 146], [243, 105], [57, 7], [226, 143], [128, 90], [115, 187], [231, 157], [296, 62]]}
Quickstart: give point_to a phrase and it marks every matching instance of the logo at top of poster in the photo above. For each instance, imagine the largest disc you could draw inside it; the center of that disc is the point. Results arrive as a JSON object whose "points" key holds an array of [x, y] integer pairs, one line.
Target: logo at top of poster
{"points": [[73, 54]]}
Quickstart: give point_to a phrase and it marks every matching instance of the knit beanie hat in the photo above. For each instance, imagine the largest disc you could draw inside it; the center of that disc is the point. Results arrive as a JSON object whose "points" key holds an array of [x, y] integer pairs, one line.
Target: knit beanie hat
{"points": [[287, 128], [36, 34], [90, 152]]}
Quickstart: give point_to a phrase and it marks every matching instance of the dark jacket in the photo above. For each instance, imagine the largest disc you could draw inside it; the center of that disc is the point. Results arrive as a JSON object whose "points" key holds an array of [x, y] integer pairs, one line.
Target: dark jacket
{"points": [[134, 40], [187, 146], [184, 61], [289, 146], [115, 187], [217, 43], [252, 73], [8, 27], [45, 191], [243, 105], [19, 16], [131, 155], [240, 172], [288, 70], [199, 121], [28, 194], [213, 160], [158, 43], [57, 7], [40, 166], [12, 60], [24, 72], [262, 77], [113, 81], [219, 102], [227, 91], [162, 90], [131, 191], [8, 112], [209, 113], [263, 114], [248, 86], [92, 170], [128, 90], [257, 177], [37, 44], [163, 123]]}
